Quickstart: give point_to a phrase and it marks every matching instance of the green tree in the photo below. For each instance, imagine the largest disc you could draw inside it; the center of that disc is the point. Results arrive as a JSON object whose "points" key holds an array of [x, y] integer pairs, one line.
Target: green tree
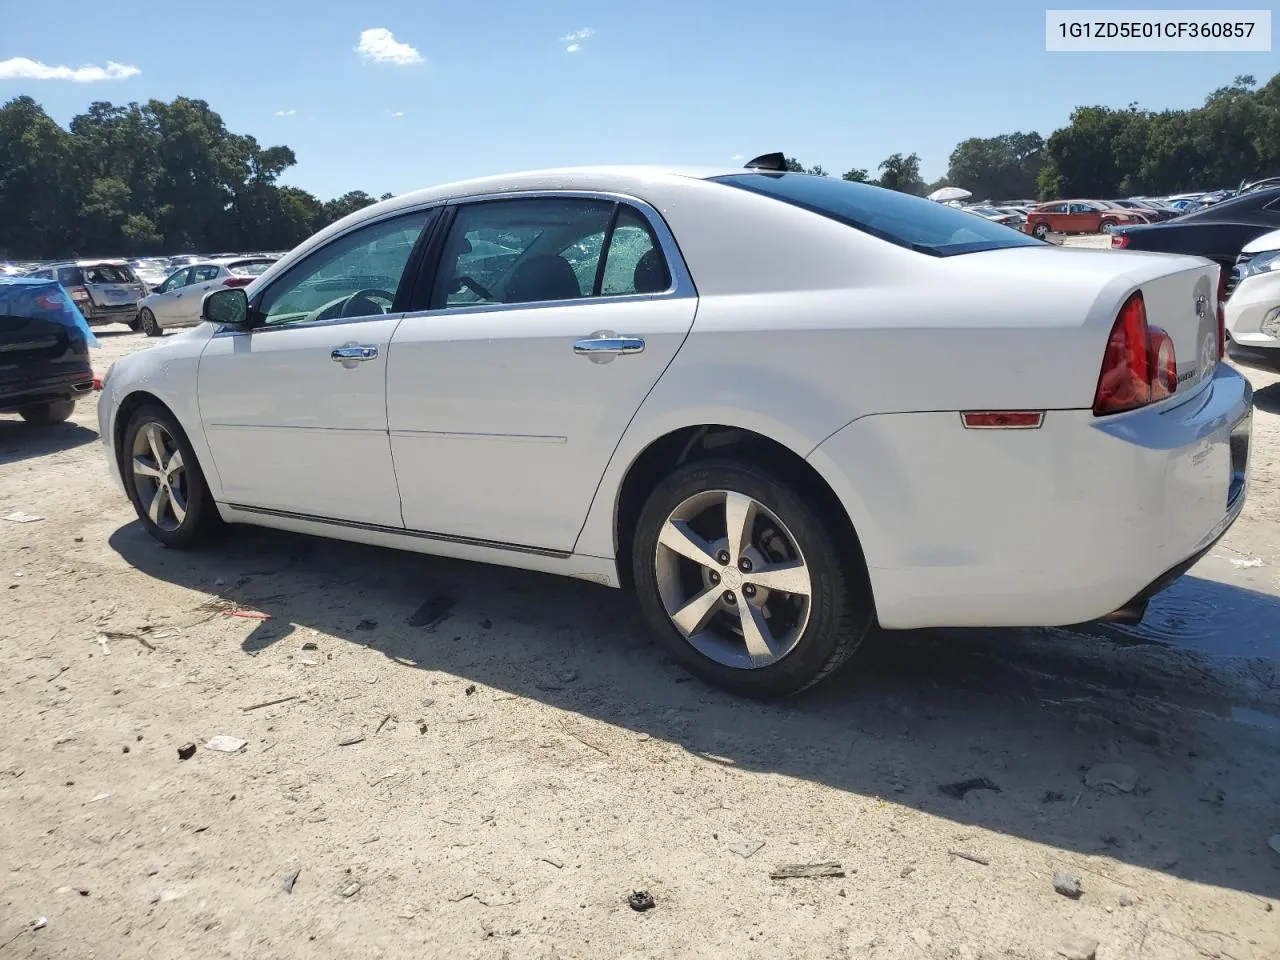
{"points": [[1003, 167], [902, 174], [856, 175]]}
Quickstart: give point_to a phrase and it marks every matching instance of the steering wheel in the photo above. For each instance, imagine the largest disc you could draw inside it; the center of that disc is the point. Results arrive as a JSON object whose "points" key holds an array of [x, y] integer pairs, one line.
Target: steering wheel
{"points": [[356, 303], [477, 287]]}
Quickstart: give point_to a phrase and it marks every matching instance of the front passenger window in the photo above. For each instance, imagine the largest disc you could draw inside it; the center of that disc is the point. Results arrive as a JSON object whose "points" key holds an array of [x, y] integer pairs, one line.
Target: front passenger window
{"points": [[357, 275]]}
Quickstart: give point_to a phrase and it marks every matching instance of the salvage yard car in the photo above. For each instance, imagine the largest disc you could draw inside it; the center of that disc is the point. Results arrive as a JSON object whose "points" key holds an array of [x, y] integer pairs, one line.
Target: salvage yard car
{"points": [[1078, 216], [105, 291], [176, 301], [780, 407], [1253, 311], [44, 351]]}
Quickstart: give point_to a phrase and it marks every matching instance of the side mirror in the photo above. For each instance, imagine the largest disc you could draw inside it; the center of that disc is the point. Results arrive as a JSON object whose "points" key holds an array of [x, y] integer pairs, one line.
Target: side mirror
{"points": [[228, 308]]}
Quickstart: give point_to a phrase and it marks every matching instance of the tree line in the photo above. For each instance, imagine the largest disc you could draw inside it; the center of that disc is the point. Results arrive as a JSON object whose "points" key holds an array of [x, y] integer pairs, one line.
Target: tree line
{"points": [[1104, 152], [170, 177]]}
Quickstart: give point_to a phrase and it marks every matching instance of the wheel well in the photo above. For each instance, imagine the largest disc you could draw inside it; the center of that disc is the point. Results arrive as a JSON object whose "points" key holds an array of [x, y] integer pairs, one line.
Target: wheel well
{"points": [[718, 441], [128, 405]]}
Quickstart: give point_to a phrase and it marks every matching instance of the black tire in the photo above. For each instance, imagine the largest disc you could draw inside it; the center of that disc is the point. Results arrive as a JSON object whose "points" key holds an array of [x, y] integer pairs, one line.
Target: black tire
{"points": [[840, 609], [44, 414], [1041, 230], [1106, 226], [133, 325], [148, 323], [202, 519]]}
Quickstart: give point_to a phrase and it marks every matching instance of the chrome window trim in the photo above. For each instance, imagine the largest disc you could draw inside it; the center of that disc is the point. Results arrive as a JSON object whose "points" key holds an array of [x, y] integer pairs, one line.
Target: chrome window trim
{"points": [[335, 321]]}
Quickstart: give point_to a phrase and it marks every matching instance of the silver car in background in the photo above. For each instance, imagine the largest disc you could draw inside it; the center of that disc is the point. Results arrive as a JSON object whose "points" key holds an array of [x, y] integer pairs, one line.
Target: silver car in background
{"points": [[106, 291], [176, 301]]}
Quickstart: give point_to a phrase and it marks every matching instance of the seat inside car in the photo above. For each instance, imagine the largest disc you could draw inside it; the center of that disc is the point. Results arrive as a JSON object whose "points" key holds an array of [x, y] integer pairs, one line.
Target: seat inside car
{"points": [[544, 277], [651, 274]]}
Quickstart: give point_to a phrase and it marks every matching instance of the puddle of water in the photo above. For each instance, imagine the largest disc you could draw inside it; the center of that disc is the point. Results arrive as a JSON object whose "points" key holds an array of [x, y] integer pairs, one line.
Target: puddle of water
{"points": [[1255, 718], [1212, 618]]}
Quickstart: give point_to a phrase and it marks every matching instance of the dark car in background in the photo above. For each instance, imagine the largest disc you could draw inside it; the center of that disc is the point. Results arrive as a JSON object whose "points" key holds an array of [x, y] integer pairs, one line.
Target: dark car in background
{"points": [[1218, 232], [44, 351]]}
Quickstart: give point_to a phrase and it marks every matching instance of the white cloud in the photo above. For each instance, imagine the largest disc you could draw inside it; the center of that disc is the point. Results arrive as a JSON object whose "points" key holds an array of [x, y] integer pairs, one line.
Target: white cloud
{"points": [[285, 113], [21, 68], [397, 113], [738, 156], [575, 38], [379, 45]]}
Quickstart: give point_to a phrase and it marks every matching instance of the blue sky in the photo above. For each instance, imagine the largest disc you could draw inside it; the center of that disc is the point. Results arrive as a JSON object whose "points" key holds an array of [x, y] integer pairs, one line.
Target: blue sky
{"points": [[463, 89]]}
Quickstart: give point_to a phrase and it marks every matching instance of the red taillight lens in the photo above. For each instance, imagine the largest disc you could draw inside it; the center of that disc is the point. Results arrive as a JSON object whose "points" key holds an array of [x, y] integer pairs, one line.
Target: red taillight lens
{"points": [[237, 281], [78, 293], [1129, 362], [1119, 240]]}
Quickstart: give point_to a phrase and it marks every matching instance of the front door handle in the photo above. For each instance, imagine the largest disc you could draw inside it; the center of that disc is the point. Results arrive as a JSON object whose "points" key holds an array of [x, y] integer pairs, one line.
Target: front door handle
{"points": [[356, 352], [606, 345]]}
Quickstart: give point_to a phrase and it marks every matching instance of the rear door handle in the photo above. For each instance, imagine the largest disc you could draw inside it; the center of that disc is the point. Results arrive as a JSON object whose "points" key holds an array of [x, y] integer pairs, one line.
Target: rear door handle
{"points": [[356, 352], [605, 345]]}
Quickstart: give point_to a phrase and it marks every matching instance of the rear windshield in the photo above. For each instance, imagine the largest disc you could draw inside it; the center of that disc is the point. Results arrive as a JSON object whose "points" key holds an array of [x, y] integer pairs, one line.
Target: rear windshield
{"points": [[899, 218], [250, 268], [102, 273]]}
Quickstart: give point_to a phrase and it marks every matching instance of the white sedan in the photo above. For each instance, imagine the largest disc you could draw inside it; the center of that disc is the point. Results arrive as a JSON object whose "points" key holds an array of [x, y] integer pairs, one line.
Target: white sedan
{"points": [[176, 301], [1253, 310], [780, 407]]}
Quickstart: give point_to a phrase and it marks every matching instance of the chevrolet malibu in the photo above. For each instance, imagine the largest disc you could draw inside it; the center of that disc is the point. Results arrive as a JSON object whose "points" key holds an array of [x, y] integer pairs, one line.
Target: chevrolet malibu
{"points": [[782, 408]]}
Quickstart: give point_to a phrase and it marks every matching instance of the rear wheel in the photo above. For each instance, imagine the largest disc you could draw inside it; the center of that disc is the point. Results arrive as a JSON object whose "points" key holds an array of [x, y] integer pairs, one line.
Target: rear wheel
{"points": [[745, 583], [164, 480], [1041, 230], [150, 326], [55, 411], [1106, 226]]}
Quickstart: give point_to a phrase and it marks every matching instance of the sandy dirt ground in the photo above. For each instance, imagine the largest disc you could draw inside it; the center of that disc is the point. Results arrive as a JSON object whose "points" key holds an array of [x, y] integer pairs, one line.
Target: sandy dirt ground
{"points": [[496, 784]]}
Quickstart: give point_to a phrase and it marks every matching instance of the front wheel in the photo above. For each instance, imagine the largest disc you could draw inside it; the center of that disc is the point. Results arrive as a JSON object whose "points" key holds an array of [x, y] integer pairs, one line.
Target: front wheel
{"points": [[1041, 230], [43, 414], [1106, 226], [745, 583], [150, 326], [164, 479]]}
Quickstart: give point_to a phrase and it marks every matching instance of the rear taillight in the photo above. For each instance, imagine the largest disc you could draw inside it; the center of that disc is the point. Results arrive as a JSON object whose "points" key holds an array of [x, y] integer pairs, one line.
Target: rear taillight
{"points": [[1139, 366], [1222, 313], [78, 293], [1119, 240], [237, 281]]}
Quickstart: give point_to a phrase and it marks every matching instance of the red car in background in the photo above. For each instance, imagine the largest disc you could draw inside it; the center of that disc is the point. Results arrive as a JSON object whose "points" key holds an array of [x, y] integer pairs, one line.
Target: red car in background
{"points": [[1079, 216]]}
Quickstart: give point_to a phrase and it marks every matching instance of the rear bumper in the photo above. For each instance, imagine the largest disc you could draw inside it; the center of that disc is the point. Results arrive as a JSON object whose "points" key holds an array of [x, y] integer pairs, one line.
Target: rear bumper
{"points": [[100, 314], [1055, 526], [21, 393]]}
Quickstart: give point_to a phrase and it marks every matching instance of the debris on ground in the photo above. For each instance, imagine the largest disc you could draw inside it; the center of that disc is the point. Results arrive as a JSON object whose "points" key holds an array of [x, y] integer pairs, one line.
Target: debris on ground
{"points": [[471, 688], [971, 857], [746, 848], [906, 872], [186, 751], [640, 901], [555, 861], [351, 740], [290, 880], [367, 625], [1077, 947], [1067, 885], [225, 744], [269, 703], [309, 646], [19, 516], [351, 889], [434, 610], [1052, 796], [39, 923], [247, 614], [1121, 776], [960, 789], [385, 721], [1126, 900], [793, 871]]}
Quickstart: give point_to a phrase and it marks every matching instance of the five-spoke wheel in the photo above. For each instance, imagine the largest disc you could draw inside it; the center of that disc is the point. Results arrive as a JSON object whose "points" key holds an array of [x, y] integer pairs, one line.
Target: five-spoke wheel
{"points": [[164, 479], [747, 580], [159, 476]]}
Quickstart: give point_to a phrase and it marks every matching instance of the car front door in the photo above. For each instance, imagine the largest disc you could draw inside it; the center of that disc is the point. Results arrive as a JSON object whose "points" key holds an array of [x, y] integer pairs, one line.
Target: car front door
{"points": [[549, 319], [169, 298], [294, 409], [1082, 218], [203, 279]]}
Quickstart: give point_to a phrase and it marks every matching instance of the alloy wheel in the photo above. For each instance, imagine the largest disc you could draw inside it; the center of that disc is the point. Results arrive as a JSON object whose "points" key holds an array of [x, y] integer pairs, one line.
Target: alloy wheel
{"points": [[159, 476], [733, 579]]}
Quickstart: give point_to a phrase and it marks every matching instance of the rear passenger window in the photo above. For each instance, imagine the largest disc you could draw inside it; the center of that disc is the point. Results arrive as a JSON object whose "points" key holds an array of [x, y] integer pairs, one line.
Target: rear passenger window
{"points": [[635, 263], [70, 276], [205, 273]]}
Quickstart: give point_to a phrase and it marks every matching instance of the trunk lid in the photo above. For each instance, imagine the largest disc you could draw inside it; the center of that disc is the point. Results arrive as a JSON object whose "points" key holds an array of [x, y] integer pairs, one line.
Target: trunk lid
{"points": [[111, 285]]}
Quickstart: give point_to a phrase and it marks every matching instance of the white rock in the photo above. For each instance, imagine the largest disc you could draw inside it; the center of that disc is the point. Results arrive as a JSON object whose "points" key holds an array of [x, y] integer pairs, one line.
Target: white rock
{"points": [[225, 744]]}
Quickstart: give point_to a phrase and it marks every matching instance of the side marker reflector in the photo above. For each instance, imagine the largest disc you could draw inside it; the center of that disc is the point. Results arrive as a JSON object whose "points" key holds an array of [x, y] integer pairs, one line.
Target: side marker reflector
{"points": [[1002, 419]]}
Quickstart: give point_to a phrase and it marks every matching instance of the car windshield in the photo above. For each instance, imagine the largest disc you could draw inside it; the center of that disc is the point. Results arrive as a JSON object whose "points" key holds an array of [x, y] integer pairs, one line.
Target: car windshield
{"points": [[250, 268], [899, 218]]}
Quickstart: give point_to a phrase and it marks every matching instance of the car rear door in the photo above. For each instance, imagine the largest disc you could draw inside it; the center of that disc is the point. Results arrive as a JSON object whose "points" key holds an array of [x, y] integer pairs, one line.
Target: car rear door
{"points": [[547, 321]]}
